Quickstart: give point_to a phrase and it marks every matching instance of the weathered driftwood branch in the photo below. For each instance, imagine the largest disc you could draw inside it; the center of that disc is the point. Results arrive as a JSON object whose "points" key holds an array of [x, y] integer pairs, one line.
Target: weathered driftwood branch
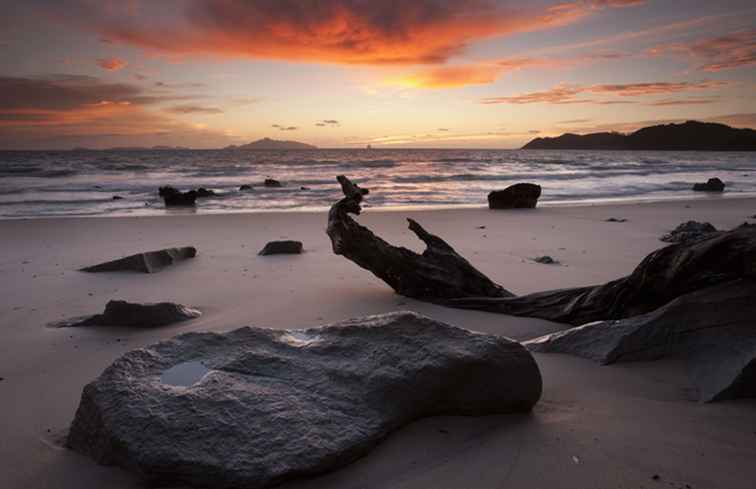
{"points": [[440, 275], [661, 277], [437, 275]]}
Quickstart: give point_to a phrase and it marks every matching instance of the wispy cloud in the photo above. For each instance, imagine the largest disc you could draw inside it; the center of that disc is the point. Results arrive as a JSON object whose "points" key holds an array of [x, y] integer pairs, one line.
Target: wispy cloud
{"points": [[112, 64], [194, 109], [716, 53], [572, 94], [328, 123], [284, 128]]}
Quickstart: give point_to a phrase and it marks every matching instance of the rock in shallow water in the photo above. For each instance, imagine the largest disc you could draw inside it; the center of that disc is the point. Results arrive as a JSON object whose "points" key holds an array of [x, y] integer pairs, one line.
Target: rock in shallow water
{"points": [[147, 262], [254, 407], [128, 314], [712, 328], [517, 196], [282, 248], [711, 185]]}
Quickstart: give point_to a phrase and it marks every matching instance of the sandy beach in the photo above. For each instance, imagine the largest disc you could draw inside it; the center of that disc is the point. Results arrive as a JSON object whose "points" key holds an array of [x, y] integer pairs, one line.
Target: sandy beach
{"points": [[633, 425]]}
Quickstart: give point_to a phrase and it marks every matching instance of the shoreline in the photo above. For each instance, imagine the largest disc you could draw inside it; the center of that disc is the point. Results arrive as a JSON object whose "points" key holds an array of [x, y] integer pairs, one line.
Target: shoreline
{"points": [[197, 211], [623, 423]]}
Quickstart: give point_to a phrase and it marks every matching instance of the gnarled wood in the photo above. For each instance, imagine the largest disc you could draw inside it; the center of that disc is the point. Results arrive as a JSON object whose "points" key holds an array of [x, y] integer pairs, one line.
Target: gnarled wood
{"points": [[438, 274]]}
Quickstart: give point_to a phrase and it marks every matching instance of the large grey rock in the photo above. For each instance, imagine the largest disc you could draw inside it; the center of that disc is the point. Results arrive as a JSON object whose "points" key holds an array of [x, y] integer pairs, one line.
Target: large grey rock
{"points": [[713, 329], [254, 407], [286, 247], [517, 196], [688, 232], [147, 262], [129, 314]]}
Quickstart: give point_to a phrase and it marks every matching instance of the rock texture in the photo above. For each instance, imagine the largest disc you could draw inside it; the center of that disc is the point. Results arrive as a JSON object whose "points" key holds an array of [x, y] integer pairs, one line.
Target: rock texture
{"points": [[147, 262], [128, 314], [689, 231], [712, 328], [712, 185], [254, 407], [440, 273], [287, 247], [517, 196], [661, 277]]}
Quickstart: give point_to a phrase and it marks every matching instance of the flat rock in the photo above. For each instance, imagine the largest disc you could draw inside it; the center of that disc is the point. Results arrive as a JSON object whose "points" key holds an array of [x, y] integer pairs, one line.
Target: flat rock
{"points": [[517, 196], [711, 328], [128, 314], [711, 185], [287, 247], [255, 407], [147, 262]]}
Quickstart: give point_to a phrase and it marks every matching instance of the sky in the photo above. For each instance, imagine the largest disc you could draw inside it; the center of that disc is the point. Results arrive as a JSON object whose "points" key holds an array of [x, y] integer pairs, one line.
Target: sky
{"points": [[348, 73]]}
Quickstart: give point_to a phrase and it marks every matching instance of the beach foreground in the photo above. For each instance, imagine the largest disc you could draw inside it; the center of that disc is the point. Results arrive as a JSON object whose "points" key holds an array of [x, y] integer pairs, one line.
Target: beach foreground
{"points": [[630, 425]]}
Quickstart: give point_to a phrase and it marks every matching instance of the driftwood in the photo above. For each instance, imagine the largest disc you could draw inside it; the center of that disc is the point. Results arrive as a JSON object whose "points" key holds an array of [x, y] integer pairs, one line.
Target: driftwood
{"points": [[437, 275], [440, 275], [661, 277]]}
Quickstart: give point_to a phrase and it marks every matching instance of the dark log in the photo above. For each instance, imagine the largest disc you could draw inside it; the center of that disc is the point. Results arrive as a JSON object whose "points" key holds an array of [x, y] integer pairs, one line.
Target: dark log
{"points": [[661, 277], [437, 275]]}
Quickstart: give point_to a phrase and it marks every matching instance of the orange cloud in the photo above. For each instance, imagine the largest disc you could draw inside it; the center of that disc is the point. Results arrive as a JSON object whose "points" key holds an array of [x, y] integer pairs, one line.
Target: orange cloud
{"points": [[716, 53], [112, 64], [463, 75], [336, 31], [569, 94]]}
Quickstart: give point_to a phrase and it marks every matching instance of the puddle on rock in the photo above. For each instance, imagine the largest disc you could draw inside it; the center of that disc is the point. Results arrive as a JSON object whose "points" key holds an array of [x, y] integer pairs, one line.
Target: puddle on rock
{"points": [[184, 374]]}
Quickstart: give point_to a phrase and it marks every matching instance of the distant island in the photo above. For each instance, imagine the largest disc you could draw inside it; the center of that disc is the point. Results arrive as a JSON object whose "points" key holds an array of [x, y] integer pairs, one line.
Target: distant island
{"points": [[267, 143], [689, 136]]}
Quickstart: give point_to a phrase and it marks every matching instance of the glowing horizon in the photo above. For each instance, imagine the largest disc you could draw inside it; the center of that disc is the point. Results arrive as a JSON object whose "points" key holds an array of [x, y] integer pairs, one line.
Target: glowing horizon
{"points": [[348, 73]]}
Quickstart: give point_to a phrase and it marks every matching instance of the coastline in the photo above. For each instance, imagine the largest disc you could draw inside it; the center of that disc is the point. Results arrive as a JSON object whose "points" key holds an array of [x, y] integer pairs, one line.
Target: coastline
{"points": [[595, 427]]}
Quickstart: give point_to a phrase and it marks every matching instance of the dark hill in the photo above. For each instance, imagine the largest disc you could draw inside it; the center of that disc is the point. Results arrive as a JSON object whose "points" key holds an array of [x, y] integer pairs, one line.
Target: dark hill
{"points": [[689, 136]]}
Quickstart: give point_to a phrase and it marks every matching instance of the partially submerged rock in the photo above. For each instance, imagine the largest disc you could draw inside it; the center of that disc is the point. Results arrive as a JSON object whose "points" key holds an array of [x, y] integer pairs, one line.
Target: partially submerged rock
{"points": [[286, 247], [129, 314], [712, 328], [689, 231], [245, 188], [254, 407], [175, 198], [711, 185], [147, 262], [202, 192], [440, 273], [517, 196], [270, 182]]}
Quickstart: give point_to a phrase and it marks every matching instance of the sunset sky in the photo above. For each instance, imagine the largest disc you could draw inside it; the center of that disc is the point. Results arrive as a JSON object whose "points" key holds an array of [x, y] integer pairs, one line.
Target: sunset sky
{"points": [[344, 73]]}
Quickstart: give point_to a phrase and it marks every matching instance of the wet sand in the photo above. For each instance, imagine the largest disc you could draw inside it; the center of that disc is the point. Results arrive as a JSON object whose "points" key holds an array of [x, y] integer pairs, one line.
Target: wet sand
{"points": [[595, 427]]}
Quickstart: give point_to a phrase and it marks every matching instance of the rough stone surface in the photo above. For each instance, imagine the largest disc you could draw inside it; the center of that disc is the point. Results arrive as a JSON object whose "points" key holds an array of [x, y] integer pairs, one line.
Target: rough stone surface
{"points": [[689, 231], [712, 328], [133, 315], [712, 185], [517, 196], [287, 247], [147, 262], [254, 407], [661, 277]]}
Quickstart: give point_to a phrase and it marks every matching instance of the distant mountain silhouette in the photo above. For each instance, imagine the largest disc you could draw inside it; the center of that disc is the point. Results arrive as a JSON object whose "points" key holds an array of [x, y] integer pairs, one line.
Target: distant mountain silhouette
{"points": [[689, 136], [267, 143]]}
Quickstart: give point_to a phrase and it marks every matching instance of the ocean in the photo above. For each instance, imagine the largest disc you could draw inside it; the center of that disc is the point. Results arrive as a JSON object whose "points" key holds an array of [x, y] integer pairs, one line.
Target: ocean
{"points": [[83, 183]]}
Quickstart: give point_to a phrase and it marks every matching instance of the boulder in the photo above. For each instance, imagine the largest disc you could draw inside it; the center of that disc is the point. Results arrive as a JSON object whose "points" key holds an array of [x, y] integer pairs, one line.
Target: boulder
{"points": [[712, 329], [255, 407], [712, 185], [128, 314], [287, 247], [517, 196], [245, 188], [688, 232], [147, 262], [175, 198], [269, 182]]}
